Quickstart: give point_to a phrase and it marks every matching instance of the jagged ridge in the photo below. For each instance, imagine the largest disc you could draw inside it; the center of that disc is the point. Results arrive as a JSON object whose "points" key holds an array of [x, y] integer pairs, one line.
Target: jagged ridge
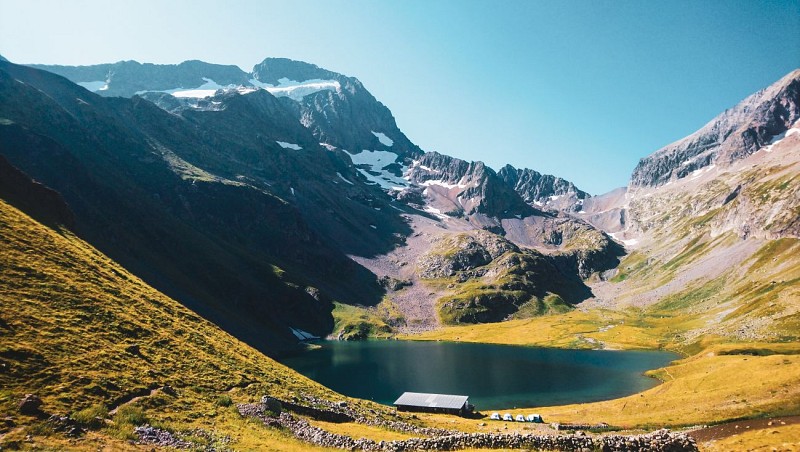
{"points": [[733, 135]]}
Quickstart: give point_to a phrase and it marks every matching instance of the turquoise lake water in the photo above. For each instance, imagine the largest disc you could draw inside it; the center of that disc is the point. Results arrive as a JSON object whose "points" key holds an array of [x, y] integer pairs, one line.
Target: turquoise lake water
{"points": [[493, 376]]}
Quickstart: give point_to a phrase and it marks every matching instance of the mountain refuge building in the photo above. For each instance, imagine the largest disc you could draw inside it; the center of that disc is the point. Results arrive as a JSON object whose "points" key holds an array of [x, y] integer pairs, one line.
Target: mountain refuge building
{"points": [[434, 403]]}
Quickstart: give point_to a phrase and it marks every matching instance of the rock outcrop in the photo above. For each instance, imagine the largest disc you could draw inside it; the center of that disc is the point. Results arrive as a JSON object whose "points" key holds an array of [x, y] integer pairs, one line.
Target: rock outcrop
{"points": [[468, 187], [543, 189]]}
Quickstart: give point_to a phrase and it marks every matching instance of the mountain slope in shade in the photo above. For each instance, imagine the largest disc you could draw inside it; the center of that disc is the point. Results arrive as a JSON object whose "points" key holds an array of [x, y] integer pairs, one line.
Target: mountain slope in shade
{"points": [[327, 125], [86, 336], [229, 249], [42, 203], [731, 136]]}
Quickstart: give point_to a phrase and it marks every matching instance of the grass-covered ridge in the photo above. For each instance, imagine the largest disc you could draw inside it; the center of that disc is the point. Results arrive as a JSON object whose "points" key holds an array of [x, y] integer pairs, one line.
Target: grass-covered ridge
{"points": [[486, 278], [86, 336]]}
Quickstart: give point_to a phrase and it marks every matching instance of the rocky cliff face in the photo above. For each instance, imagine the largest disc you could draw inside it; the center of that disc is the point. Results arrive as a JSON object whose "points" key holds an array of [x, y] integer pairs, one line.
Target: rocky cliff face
{"points": [[731, 136], [347, 117], [543, 189], [466, 188], [338, 110], [712, 224]]}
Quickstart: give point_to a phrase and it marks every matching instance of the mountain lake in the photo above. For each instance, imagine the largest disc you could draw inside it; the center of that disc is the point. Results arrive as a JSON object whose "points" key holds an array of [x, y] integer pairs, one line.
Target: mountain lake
{"points": [[493, 376]]}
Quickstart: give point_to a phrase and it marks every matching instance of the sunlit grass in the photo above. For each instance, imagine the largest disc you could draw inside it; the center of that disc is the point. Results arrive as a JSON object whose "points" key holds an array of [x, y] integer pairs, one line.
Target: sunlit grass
{"points": [[84, 334]]}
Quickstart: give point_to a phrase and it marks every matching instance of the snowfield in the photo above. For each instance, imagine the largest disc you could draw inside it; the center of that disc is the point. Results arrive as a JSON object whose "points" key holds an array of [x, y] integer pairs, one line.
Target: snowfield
{"points": [[444, 184], [376, 161], [286, 145], [286, 88], [297, 90], [386, 141], [100, 85]]}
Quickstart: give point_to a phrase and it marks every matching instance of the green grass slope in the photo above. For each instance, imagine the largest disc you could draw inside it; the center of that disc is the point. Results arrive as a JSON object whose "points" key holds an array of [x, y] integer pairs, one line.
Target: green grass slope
{"points": [[86, 336]]}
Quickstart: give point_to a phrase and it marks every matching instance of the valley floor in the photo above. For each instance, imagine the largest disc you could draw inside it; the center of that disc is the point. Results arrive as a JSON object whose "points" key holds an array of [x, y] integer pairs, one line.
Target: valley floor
{"points": [[717, 382]]}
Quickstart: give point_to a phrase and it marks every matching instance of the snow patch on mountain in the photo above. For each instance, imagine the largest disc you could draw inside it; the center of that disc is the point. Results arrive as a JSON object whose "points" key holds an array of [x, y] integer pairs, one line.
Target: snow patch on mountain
{"points": [[778, 138], [372, 163], [207, 89], [285, 88], [99, 85], [444, 184], [435, 212], [286, 145], [342, 178], [386, 141], [698, 172], [627, 243], [297, 90]]}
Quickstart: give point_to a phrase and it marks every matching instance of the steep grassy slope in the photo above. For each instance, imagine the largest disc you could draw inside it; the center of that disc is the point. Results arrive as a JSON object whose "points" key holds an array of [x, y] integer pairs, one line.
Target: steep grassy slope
{"points": [[83, 334]]}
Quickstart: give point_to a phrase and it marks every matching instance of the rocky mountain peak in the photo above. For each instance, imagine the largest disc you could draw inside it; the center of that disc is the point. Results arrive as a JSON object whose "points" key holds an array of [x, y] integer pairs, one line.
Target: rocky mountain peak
{"points": [[735, 134], [471, 187], [543, 189], [272, 70]]}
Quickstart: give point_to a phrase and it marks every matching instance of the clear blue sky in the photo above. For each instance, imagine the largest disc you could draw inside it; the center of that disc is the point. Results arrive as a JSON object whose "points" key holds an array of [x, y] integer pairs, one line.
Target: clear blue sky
{"points": [[579, 89]]}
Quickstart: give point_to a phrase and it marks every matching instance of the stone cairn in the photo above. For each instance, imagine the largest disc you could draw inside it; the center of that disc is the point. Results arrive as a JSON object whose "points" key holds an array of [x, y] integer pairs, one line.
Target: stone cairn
{"points": [[441, 439]]}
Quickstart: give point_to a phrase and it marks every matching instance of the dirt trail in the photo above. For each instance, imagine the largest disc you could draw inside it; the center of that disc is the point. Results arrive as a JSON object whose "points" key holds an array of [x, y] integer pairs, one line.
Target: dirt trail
{"points": [[733, 428], [121, 404]]}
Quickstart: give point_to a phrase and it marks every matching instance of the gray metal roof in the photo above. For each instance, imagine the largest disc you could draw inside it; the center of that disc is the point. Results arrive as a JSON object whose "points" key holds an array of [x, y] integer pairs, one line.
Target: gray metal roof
{"points": [[422, 399]]}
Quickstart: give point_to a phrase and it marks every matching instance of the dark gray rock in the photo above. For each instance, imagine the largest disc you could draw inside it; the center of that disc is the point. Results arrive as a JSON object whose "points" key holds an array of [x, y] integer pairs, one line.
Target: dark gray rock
{"points": [[30, 404], [533, 186], [486, 193]]}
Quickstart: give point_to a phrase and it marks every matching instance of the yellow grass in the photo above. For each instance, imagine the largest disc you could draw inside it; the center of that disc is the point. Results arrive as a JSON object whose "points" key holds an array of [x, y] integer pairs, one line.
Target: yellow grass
{"points": [[710, 386], [569, 330], [79, 330], [784, 438]]}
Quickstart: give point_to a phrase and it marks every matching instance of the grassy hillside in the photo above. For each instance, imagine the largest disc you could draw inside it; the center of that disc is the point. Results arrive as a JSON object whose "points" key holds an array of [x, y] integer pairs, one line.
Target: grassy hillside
{"points": [[86, 336]]}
